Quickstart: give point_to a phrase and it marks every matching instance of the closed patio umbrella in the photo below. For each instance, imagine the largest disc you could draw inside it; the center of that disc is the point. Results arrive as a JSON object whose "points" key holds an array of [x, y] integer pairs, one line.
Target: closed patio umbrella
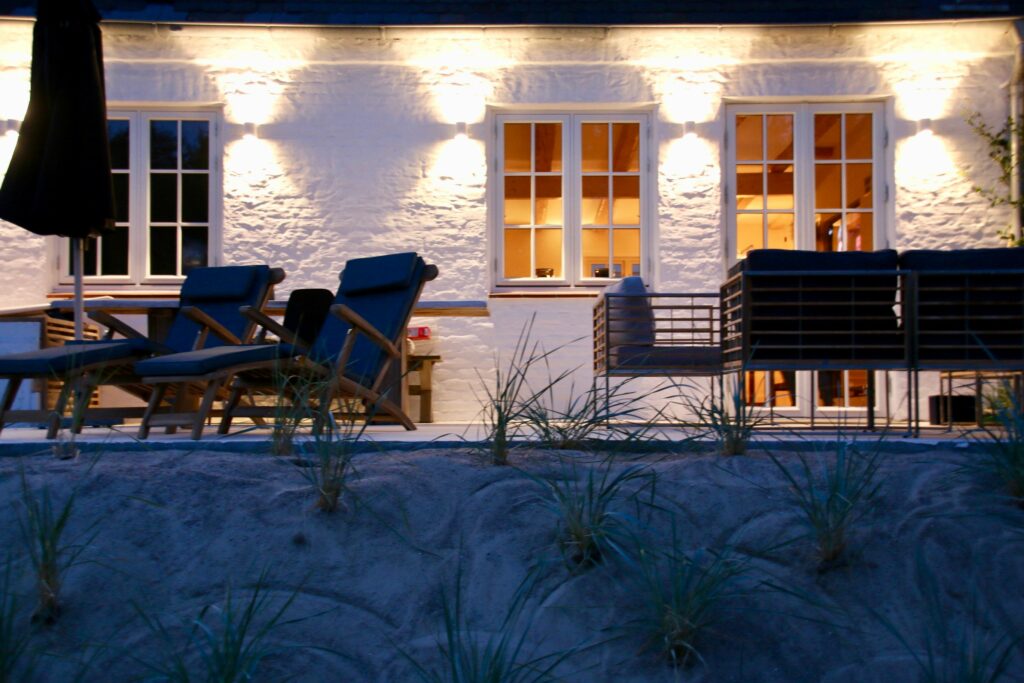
{"points": [[58, 182]]}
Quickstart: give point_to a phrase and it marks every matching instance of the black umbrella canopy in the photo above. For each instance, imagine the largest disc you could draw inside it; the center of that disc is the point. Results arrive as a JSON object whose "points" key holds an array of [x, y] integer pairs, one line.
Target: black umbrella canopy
{"points": [[58, 182]]}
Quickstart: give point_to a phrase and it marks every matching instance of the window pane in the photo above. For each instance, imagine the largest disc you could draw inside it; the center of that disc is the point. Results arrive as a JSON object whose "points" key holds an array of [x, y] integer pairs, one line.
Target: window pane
{"points": [[626, 252], [549, 253], [195, 197], [780, 186], [163, 197], [827, 232], [517, 147], [859, 232], [780, 231], [858, 186], [749, 144], [827, 138], [831, 389], [749, 233], [115, 252], [117, 131], [783, 389], [517, 253], [780, 136], [193, 248], [88, 256], [120, 181], [594, 207], [517, 200], [858, 136], [828, 186], [163, 144], [626, 193], [163, 250], [595, 147], [595, 253], [857, 381], [195, 145], [749, 187], [755, 390], [549, 200], [625, 146], [548, 147]]}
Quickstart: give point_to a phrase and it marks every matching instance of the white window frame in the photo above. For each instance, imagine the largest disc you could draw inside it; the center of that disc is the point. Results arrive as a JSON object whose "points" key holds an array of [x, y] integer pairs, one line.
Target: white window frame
{"points": [[803, 172], [572, 184], [803, 111], [139, 116]]}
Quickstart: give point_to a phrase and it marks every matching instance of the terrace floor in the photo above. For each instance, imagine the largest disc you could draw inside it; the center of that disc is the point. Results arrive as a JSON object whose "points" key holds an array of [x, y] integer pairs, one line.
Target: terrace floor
{"points": [[26, 440]]}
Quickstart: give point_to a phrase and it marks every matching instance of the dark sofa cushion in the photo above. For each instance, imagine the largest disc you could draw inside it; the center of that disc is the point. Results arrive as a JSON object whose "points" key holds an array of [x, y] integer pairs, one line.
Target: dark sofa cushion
{"points": [[970, 306], [629, 310], [822, 306]]}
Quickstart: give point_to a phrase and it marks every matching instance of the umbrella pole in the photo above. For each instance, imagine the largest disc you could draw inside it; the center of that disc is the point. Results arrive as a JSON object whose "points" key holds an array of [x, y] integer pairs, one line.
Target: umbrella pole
{"points": [[78, 249]]}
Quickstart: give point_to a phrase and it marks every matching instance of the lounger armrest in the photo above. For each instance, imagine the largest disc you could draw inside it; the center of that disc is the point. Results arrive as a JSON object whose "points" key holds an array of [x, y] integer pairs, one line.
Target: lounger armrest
{"points": [[358, 322], [115, 325], [198, 316], [274, 327]]}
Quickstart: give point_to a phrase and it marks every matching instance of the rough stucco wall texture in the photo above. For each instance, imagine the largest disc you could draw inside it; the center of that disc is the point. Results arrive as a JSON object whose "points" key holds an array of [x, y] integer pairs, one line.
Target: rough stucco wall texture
{"points": [[356, 154]]}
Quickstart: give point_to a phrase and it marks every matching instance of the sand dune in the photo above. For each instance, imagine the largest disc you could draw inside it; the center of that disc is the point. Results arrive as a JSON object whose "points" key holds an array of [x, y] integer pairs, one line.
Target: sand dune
{"points": [[174, 529]]}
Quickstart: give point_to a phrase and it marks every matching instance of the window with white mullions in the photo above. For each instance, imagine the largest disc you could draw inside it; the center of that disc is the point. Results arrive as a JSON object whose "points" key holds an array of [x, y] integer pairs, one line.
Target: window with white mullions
{"points": [[571, 208], [533, 215], [166, 199], [179, 196], [610, 199], [108, 254]]}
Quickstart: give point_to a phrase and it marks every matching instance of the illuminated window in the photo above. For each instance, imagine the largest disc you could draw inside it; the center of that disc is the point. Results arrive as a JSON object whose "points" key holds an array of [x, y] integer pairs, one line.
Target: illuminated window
{"points": [[804, 176], [166, 199], [572, 207]]}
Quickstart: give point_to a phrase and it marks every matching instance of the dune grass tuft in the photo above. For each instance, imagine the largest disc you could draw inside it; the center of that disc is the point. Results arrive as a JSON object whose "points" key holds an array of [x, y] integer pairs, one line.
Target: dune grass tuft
{"points": [[15, 664], [833, 495], [1002, 449], [587, 420], [592, 524], [729, 419], [684, 595], [225, 643], [43, 524], [507, 403], [468, 656], [956, 647]]}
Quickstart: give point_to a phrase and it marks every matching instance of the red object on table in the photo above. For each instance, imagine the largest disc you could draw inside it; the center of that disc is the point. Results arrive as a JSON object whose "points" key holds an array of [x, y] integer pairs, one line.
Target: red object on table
{"points": [[418, 333]]}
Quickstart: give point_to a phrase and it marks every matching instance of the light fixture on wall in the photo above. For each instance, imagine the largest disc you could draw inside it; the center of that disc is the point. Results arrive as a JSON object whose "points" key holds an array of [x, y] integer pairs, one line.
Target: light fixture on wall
{"points": [[461, 130], [689, 128], [10, 126], [924, 126], [250, 131]]}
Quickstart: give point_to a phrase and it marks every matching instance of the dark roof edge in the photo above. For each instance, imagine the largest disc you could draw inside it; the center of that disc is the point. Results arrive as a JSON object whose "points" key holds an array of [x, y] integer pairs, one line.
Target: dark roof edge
{"points": [[253, 24]]}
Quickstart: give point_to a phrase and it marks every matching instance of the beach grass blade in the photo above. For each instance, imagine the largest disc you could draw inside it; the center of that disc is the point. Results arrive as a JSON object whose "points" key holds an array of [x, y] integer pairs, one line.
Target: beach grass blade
{"points": [[832, 495]]}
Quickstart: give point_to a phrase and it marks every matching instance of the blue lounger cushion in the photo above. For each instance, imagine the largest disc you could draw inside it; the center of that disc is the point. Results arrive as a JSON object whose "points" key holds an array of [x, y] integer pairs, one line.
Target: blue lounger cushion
{"points": [[212, 359], [381, 289], [60, 360]]}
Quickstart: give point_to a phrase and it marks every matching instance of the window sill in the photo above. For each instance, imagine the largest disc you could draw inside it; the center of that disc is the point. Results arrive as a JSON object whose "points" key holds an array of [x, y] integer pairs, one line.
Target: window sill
{"points": [[563, 294], [90, 293]]}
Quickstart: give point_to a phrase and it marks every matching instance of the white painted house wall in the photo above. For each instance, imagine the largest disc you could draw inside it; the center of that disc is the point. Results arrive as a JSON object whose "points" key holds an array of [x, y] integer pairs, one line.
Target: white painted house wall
{"points": [[356, 152]]}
